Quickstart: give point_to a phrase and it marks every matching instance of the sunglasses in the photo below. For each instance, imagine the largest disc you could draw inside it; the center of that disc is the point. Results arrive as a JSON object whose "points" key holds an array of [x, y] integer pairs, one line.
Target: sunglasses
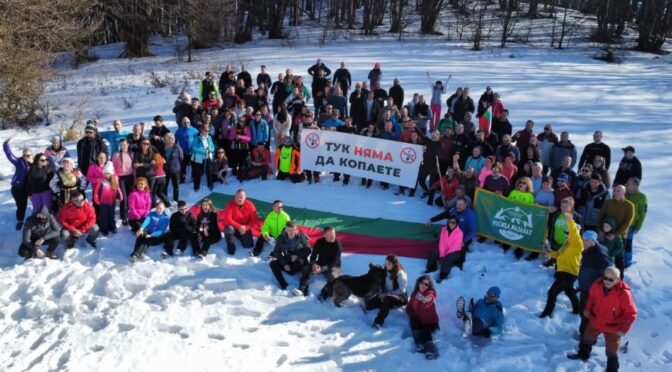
{"points": [[609, 279]]}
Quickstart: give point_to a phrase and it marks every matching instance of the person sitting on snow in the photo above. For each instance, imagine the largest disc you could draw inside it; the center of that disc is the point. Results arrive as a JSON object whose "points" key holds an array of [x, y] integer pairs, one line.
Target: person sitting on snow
{"points": [[484, 319], [273, 225], [40, 229], [290, 253]]}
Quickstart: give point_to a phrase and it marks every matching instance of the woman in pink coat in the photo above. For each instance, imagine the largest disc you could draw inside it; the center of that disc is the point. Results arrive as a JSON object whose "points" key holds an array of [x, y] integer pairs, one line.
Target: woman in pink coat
{"points": [[105, 195], [139, 203], [448, 251]]}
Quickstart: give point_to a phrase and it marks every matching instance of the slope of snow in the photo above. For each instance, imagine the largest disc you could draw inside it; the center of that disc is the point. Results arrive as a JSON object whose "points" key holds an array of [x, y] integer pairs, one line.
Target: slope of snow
{"points": [[94, 311]]}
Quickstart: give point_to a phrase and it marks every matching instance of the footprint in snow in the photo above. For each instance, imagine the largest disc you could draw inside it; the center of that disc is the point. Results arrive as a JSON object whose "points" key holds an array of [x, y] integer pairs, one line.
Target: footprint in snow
{"points": [[282, 343], [252, 329], [211, 319], [214, 336], [97, 348], [241, 346], [281, 360], [123, 327]]}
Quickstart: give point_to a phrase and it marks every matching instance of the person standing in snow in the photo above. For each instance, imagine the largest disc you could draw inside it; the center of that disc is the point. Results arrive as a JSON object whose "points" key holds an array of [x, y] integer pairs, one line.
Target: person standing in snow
{"points": [[640, 202], [424, 320], [392, 293], [375, 77], [629, 167], [18, 190], [595, 259], [567, 269], [343, 79], [485, 318], [38, 177], [597, 148], [105, 195], [438, 88], [611, 311], [89, 147]]}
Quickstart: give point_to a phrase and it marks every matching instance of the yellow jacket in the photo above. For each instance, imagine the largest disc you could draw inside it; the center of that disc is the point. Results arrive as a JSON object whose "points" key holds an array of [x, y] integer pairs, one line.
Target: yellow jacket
{"points": [[569, 256]]}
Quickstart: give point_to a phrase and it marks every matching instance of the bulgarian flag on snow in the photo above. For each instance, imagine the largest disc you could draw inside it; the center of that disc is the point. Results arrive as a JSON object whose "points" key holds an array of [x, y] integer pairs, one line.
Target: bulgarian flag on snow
{"points": [[485, 121]]}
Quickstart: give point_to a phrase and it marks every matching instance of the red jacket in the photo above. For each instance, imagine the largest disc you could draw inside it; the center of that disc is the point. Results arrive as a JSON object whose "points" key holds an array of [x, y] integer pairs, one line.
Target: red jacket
{"points": [[449, 187], [236, 216], [72, 217], [426, 312], [613, 312]]}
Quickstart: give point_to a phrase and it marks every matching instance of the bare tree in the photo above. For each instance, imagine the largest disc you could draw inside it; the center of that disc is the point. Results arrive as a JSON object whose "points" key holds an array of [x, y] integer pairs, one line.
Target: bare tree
{"points": [[28, 42], [508, 22], [396, 14], [478, 31], [429, 14], [655, 24]]}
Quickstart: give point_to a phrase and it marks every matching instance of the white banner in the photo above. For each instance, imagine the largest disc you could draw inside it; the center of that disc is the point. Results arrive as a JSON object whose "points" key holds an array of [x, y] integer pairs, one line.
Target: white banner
{"points": [[378, 159]]}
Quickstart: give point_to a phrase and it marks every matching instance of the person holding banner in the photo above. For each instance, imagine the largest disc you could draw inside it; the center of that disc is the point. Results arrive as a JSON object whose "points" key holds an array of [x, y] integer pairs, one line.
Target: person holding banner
{"points": [[496, 182], [523, 193], [567, 270]]}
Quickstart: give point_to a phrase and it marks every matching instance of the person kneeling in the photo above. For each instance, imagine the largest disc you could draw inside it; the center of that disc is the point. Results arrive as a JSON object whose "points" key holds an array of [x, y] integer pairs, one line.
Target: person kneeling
{"points": [[393, 293], [182, 228], [449, 250], [40, 229], [78, 218], [151, 232], [421, 310], [290, 254], [485, 318]]}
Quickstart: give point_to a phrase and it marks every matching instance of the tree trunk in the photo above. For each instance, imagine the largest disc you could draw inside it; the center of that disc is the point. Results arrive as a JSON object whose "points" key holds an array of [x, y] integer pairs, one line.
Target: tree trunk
{"points": [[430, 13], [655, 23], [396, 14]]}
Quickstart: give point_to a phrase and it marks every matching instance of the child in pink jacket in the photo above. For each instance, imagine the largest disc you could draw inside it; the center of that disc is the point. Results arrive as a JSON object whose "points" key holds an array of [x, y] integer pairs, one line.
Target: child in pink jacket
{"points": [[139, 203], [105, 195], [448, 251]]}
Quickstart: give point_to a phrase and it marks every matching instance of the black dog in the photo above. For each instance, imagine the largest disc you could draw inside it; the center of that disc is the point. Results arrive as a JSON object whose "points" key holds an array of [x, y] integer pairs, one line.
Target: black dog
{"points": [[363, 286]]}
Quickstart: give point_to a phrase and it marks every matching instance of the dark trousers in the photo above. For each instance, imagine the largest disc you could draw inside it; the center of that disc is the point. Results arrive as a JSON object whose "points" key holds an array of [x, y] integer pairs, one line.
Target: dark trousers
{"points": [[21, 199], [106, 218], [564, 282], [385, 305], [198, 170], [183, 238], [142, 243], [277, 269], [237, 159], [159, 191], [331, 274], [283, 176], [463, 253], [27, 250], [135, 224], [183, 169], [174, 179], [619, 262], [627, 255], [204, 243], [126, 186], [422, 332], [447, 262], [583, 298], [247, 240], [91, 236], [425, 172]]}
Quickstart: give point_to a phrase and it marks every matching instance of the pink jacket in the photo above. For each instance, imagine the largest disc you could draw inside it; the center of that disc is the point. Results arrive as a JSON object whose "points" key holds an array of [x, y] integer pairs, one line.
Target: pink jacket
{"points": [[450, 242], [123, 164], [103, 193], [483, 175], [94, 175], [139, 204]]}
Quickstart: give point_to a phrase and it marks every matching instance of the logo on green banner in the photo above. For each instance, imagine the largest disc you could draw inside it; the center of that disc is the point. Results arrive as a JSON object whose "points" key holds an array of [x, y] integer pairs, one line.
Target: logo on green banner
{"points": [[510, 222]]}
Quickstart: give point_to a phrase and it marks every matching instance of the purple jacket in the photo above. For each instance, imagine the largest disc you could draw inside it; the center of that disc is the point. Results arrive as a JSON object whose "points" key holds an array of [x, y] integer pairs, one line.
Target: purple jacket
{"points": [[21, 165]]}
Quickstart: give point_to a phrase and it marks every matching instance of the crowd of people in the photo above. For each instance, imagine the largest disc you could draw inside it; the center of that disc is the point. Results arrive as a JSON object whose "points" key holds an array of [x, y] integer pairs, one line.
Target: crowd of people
{"points": [[231, 128]]}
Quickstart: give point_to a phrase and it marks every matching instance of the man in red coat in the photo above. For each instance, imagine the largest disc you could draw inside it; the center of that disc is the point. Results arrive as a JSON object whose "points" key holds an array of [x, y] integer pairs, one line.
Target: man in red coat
{"points": [[78, 218], [610, 310], [240, 215]]}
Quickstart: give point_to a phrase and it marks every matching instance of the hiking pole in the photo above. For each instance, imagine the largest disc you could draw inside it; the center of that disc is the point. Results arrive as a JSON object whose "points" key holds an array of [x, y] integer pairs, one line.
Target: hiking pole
{"points": [[438, 170]]}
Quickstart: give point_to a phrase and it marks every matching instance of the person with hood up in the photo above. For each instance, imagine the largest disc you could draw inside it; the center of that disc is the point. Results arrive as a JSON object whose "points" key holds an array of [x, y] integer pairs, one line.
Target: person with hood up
{"points": [[448, 250], [422, 315], [105, 195], [614, 244], [611, 311], [40, 229]]}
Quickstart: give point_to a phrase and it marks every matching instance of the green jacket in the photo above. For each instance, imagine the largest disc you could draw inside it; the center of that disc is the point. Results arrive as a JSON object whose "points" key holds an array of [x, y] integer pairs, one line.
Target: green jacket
{"points": [[274, 224], [641, 206]]}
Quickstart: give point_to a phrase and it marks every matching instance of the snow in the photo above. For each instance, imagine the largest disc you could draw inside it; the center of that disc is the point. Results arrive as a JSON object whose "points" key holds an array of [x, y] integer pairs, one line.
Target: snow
{"points": [[94, 311]]}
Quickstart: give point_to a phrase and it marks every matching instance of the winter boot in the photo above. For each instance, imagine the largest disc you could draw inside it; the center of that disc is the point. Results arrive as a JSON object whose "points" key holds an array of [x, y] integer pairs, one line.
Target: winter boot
{"points": [[518, 253], [583, 353], [612, 363], [368, 183], [419, 346], [549, 263], [533, 256], [460, 307], [430, 350]]}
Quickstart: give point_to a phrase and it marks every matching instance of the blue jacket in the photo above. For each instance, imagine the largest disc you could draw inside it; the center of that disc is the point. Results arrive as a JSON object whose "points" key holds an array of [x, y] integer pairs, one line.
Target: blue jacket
{"points": [[259, 131], [185, 138], [200, 153], [113, 139], [173, 159], [491, 315], [332, 123], [466, 221], [156, 224], [595, 259], [476, 163], [21, 165]]}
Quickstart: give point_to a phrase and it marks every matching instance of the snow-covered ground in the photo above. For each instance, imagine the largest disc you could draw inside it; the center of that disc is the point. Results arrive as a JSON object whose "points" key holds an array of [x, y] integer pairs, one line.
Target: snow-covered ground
{"points": [[94, 311]]}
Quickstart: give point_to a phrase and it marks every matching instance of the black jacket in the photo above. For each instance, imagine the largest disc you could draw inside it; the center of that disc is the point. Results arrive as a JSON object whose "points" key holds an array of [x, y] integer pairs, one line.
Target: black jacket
{"points": [[312, 71], [285, 248], [628, 168], [87, 152], [343, 78], [208, 221], [595, 259], [326, 254], [247, 78], [594, 149], [182, 223], [397, 94]]}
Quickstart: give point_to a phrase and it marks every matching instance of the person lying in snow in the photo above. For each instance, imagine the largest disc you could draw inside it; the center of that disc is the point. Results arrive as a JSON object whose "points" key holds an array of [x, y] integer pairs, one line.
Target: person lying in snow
{"points": [[484, 319]]}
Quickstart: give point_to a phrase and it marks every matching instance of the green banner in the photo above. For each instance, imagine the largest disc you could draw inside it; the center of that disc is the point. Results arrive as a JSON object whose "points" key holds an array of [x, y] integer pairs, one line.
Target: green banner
{"points": [[517, 224]]}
